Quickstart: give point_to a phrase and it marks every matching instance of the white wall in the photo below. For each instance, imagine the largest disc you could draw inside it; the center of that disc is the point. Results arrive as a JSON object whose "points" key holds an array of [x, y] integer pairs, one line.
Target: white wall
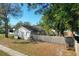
{"points": [[23, 33]]}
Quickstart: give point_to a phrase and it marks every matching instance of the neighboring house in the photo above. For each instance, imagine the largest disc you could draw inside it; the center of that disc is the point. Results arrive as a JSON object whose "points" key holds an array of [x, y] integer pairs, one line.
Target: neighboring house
{"points": [[22, 33], [37, 30]]}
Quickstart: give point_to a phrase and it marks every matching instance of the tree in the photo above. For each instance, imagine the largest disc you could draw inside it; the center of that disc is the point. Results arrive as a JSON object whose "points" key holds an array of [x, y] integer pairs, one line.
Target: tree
{"points": [[26, 24], [1, 27], [40, 8], [20, 23], [7, 10], [59, 16], [67, 15]]}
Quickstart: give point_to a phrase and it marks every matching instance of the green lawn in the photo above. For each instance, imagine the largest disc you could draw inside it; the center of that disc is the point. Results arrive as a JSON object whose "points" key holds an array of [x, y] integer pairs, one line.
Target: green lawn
{"points": [[34, 49], [3, 53]]}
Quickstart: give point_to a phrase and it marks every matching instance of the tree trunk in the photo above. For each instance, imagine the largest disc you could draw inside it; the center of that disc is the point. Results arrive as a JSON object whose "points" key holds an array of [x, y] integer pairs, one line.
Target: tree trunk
{"points": [[6, 27]]}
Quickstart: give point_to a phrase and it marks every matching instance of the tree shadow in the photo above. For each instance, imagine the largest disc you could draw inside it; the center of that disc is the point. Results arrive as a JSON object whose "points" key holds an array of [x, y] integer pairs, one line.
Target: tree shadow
{"points": [[25, 42]]}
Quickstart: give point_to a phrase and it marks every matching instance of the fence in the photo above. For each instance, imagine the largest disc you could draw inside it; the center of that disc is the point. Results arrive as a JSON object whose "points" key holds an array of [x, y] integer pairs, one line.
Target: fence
{"points": [[50, 39]]}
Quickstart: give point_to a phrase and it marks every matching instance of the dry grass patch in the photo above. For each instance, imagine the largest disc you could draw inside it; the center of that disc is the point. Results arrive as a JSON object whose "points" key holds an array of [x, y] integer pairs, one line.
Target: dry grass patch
{"points": [[69, 53], [36, 49]]}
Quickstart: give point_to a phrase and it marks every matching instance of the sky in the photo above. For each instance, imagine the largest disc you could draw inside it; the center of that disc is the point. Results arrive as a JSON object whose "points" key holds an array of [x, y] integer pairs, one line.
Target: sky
{"points": [[27, 16]]}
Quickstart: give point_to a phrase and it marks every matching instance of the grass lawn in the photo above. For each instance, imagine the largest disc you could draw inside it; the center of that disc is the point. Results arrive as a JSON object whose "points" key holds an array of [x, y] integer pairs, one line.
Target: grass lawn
{"points": [[36, 49], [3, 53]]}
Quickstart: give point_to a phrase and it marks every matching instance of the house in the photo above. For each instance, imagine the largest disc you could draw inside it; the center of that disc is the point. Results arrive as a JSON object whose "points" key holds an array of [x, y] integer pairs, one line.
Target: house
{"points": [[22, 33], [37, 30], [25, 32]]}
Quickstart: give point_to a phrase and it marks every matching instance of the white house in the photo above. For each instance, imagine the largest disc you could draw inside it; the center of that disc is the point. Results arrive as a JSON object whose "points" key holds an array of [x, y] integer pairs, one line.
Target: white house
{"points": [[22, 33]]}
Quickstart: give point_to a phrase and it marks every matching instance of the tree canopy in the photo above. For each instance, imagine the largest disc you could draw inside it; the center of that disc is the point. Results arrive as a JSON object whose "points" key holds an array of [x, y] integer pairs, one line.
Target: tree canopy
{"points": [[20, 23], [7, 10], [59, 16]]}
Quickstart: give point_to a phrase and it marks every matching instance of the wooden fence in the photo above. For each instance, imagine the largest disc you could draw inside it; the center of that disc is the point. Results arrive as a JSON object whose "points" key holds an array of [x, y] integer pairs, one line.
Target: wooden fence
{"points": [[50, 39]]}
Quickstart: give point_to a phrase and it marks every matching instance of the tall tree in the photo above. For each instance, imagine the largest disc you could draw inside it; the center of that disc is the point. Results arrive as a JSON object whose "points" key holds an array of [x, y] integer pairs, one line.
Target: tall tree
{"points": [[59, 16], [7, 10]]}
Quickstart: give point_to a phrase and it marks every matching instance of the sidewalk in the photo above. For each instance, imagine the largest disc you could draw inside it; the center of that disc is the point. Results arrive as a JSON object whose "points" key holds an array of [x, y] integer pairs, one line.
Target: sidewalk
{"points": [[11, 51]]}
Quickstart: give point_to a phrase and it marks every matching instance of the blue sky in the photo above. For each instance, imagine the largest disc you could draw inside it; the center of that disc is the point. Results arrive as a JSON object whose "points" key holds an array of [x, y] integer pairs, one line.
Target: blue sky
{"points": [[28, 16]]}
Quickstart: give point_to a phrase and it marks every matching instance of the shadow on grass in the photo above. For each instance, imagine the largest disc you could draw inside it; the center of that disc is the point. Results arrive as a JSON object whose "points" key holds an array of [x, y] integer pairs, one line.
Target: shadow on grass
{"points": [[20, 41], [25, 42]]}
